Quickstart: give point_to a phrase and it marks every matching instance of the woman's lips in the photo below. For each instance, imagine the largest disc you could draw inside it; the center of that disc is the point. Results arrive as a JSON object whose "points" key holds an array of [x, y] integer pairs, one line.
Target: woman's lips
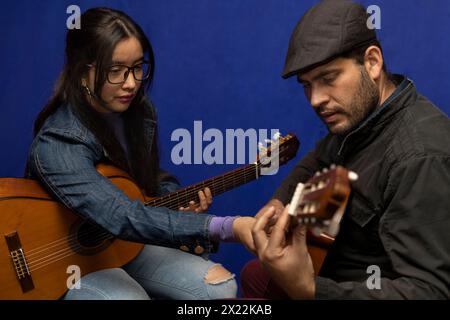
{"points": [[125, 99]]}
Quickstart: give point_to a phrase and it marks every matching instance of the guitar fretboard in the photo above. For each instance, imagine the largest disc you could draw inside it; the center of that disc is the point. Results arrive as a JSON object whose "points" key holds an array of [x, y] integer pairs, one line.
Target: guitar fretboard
{"points": [[217, 185]]}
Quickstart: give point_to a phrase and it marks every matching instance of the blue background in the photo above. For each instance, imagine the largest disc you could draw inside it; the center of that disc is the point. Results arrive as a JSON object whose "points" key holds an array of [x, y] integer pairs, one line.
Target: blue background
{"points": [[216, 61]]}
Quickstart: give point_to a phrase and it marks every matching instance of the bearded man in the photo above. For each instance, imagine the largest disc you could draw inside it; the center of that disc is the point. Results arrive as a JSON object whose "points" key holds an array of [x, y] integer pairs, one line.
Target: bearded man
{"points": [[397, 219]]}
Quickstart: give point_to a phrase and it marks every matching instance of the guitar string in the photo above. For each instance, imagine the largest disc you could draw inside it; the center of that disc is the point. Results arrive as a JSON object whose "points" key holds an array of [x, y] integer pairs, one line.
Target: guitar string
{"points": [[64, 239], [194, 190], [63, 254], [162, 204], [33, 252], [34, 264], [172, 202], [247, 171], [74, 245], [69, 250]]}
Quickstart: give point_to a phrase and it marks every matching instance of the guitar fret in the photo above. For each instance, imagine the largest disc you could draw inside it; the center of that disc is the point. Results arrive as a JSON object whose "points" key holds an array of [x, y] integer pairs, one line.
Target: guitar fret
{"points": [[219, 184]]}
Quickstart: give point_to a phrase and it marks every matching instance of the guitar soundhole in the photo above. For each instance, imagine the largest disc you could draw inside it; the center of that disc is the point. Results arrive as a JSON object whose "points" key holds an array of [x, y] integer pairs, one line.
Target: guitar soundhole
{"points": [[89, 238]]}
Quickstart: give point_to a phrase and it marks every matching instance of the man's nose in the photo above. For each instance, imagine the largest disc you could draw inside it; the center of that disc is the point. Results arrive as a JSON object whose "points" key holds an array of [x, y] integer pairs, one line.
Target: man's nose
{"points": [[318, 98]]}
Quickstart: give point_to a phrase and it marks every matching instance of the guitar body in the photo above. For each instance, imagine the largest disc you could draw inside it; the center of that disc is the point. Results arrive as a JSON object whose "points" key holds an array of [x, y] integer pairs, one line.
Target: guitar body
{"points": [[319, 204], [43, 244], [318, 249], [51, 237]]}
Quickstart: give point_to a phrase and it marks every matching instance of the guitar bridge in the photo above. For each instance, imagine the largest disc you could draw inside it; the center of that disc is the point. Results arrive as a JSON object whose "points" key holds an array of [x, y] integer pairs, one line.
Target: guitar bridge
{"points": [[19, 261]]}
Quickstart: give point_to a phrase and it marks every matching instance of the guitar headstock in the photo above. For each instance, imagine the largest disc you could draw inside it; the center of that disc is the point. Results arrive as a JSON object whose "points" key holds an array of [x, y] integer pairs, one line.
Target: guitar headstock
{"points": [[283, 147], [320, 202]]}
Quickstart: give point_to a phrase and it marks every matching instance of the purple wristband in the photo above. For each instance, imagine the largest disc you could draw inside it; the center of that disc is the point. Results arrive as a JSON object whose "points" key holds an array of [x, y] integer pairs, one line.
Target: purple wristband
{"points": [[221, 229]]}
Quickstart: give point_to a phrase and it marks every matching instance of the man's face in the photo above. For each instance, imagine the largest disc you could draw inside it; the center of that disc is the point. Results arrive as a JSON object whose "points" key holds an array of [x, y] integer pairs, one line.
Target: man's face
{"points": [[341, 93]]}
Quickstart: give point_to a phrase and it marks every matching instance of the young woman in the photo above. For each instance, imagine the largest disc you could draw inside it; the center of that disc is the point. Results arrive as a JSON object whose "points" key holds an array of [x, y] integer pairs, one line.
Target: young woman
{"points": [[100, 112]]}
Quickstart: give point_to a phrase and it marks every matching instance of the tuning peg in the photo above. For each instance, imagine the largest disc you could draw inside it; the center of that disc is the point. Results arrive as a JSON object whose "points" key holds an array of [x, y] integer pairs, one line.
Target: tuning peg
{"points": [[333, 166], [276, 136], [333, 228], [307, 208], [261, 147], [316, 231], [352, 176], [324, 170]]}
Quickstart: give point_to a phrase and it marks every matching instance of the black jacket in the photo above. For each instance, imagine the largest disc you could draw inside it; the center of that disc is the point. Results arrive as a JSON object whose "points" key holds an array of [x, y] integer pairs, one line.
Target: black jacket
{"points": [[398, 216]]}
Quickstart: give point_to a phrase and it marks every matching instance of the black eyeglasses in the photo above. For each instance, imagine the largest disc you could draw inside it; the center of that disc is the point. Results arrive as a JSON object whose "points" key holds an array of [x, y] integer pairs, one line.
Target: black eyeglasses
{"points": [[118, 74]]}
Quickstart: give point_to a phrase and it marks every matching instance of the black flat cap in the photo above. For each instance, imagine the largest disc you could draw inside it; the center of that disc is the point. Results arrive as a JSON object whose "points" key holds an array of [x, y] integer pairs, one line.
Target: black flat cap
{"points": [[325, 31]]}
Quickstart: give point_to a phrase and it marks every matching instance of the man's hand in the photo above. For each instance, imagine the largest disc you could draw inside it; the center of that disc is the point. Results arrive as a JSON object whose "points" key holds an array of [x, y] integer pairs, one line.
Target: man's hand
{"points": [[205, 197], [278, 206], [284, 254], [242, 230]]}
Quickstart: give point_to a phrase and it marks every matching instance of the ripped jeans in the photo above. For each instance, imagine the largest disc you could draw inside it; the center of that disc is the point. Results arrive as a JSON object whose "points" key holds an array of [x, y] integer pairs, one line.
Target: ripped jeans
{"points": [[156, 273]]}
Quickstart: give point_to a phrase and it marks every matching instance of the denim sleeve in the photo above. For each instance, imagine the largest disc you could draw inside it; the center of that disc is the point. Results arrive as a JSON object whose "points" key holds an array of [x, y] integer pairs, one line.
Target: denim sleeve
{"points": [[65, 165]]}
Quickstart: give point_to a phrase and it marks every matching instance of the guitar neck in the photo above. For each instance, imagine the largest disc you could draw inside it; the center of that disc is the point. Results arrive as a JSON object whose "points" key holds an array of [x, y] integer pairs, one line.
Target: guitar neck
{"points": [[217, 185]]}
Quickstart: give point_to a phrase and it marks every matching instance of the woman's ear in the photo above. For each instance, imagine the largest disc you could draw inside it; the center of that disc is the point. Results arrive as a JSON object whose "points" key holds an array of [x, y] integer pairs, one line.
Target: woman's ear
{"points": [[373, 62]]}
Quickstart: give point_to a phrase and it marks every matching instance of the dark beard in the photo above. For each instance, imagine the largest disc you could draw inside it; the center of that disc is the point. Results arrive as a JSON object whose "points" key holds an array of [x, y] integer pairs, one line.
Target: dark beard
{"points": [[364, 102]]}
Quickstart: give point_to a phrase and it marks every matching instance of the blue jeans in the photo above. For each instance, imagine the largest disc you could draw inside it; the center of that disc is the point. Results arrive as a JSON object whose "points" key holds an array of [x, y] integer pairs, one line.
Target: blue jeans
{"points": [[157, 272]]}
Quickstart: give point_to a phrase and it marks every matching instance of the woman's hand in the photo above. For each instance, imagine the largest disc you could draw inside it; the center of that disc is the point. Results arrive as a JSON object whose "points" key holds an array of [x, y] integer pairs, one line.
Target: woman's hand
{"points": [[205, 197], [242, 230]]}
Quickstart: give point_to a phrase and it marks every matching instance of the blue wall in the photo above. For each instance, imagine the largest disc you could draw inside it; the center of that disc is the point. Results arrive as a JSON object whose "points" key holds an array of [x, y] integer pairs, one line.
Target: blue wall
{"points": [[217, 61]]}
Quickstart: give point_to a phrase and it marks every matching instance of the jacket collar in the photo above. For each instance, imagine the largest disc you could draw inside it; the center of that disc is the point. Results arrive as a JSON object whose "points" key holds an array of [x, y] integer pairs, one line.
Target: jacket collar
{"points": [[373, 124]]}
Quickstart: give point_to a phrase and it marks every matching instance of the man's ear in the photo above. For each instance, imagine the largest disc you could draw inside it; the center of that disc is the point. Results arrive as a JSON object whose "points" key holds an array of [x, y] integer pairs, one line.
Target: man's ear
{"points": [[373, 62]]}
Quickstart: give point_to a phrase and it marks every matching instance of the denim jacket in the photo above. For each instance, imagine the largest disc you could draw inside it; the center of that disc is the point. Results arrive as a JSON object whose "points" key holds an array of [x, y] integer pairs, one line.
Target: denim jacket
{"points": [[63, 156]]}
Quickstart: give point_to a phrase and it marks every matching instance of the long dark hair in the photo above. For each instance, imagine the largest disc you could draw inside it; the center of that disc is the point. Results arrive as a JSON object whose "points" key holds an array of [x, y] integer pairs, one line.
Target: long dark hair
{"points": [[101, 30]]}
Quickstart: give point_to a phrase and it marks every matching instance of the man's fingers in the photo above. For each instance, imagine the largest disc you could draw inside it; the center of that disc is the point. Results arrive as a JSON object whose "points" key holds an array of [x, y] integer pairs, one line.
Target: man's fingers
{"points": [[279, 230], [299, 236], [258, 231]]}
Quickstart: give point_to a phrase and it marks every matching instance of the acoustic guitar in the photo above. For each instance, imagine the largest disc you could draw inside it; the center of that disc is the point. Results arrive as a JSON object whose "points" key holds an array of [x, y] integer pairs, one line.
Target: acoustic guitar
{"points": [[42, 240], [320, 204]]}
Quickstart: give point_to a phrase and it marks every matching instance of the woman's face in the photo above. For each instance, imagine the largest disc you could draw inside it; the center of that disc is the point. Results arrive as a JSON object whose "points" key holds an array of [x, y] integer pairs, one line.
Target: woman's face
{"points": [[118, 97]]}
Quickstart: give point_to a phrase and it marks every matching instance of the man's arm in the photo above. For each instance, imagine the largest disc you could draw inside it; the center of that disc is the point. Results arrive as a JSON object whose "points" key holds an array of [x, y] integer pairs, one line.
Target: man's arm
{"points": [[415, 231]]}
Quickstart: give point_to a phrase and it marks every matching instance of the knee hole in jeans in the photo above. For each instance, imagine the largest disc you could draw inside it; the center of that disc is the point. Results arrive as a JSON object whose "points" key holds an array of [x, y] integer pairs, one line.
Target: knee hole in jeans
{"points": [[217, 274]]}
